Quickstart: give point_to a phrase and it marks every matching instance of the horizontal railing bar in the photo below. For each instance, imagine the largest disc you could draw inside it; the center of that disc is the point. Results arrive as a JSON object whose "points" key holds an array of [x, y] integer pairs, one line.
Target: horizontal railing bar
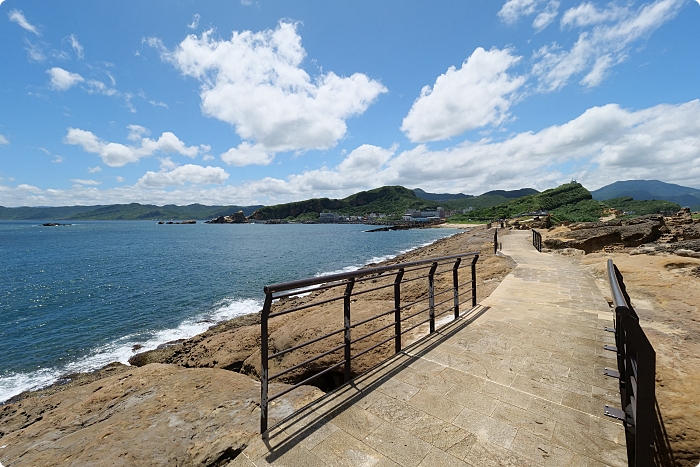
{"points": [[291, 349], [374, 332], [617, 296], [373, 347], [312, 359], [295, 293], [280, 287], [403, 307], [451, 299], [466, 301], [415, 326], [443, 312], [301, 383], [308, 305], [372, 289], [413, 279], [415, 314], [451, 289], [372, 318]]}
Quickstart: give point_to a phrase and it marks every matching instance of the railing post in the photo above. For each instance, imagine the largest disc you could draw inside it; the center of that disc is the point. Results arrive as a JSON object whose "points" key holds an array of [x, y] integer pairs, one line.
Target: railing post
{"points": [[476, 257], [264, 362], [431, 296], [455, 285], [495, 241], [346, 320], [397, 310]]}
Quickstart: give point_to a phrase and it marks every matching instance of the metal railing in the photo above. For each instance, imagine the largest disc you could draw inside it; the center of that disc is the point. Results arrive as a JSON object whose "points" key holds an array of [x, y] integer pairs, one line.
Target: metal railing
{"points": [[537, 240], [495, 241], [636, 371], [428, 274]]}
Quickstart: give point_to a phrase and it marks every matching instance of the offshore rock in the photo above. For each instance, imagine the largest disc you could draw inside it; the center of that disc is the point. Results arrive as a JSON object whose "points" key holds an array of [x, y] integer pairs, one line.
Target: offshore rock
{"points": [[157, 415], [235, 218]]}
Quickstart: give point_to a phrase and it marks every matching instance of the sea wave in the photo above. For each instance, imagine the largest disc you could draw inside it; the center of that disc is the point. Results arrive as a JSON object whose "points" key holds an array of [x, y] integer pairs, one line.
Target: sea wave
{"points": [[123, 348]]}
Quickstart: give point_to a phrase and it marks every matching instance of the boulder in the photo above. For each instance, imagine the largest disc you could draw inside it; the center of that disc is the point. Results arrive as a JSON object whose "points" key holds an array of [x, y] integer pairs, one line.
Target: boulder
{"points": [[157, 415]]}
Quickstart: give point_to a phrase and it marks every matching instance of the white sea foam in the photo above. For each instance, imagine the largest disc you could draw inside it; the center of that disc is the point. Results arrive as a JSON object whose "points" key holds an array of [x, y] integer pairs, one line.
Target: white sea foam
{"points": [[122, 349]]}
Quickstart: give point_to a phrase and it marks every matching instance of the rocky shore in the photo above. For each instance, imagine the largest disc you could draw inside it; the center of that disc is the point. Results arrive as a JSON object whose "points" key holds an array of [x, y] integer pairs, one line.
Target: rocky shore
{"points": [[196, 402]]}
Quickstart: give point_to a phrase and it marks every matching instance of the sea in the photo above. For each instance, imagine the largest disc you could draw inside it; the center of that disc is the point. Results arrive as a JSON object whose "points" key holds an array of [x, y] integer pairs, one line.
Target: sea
{"points": [[76, 297]]}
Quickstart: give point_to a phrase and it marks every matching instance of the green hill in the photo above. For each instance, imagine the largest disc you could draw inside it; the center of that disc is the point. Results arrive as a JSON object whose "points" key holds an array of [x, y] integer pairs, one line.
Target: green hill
{"points": [[572, 200], [387, 199], [133, 211]]}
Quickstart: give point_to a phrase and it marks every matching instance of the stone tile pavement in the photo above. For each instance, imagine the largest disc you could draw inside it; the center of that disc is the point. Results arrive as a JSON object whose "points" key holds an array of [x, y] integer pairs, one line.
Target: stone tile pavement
{"points": [[517, 382]]}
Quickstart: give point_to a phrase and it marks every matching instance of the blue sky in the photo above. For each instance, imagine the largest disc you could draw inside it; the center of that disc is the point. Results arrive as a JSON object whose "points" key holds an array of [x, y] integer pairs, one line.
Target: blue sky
{"points": [[260, 102]]}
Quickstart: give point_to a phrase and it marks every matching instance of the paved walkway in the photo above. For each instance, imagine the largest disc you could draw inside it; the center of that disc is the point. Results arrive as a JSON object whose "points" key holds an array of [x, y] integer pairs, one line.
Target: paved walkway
{"points": [[519, 382]]}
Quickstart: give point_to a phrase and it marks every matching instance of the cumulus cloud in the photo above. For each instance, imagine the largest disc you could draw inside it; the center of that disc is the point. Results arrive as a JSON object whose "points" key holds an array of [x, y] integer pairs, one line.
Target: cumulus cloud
{"points": [[95, 169], [605, 45], [478, 94], [118, 155], [595, 148], [73, 40], [189, 173], [16, 16], [255, 82], [4, 140], [62, 80], [248, 154]]}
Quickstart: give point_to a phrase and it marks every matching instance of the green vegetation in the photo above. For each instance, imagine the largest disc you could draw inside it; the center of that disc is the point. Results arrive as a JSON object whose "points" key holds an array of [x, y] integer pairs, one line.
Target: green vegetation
{"points": [[388, 200], [133, 211], [548, 200], [642, 207], [588, 210]]}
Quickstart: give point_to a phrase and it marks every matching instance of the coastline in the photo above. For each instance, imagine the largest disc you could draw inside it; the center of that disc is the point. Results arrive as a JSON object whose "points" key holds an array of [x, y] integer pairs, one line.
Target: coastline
{"points": [[121, 350]]}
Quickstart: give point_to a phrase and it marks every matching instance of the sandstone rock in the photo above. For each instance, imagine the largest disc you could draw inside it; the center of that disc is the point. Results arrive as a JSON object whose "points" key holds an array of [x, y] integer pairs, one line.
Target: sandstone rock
{"points": [[629, 233], [157, 415]]}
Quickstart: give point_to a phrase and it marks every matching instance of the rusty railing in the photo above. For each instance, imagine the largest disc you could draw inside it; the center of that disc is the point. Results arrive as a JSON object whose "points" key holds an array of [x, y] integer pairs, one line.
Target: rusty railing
{"points": [[434, 279], [636, 371]]}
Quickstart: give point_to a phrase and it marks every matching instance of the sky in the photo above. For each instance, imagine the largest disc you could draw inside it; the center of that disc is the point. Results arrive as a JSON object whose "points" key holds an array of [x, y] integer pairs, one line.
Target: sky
{"points": [[248, 102]]}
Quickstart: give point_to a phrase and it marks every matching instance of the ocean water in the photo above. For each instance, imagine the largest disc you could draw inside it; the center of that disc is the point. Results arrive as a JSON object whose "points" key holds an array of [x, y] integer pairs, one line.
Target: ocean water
{"points": [[74, 298]]}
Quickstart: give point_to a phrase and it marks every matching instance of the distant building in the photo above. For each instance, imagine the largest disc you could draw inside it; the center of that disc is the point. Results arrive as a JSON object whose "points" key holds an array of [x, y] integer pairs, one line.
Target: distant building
{"points": [[328, 217]]}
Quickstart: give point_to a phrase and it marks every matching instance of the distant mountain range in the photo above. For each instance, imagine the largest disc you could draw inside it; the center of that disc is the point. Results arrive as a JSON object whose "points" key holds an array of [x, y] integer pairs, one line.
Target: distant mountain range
{"points": [[650, 189], [449, 196], [133, 211]]}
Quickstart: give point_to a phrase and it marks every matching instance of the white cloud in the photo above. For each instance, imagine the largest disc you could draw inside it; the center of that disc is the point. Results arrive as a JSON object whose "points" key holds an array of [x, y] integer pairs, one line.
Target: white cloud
{"points": [[98, 87], [57, 159], [246, 2], [595, 148], [159, 104], [195, 21], [117, 155], [513, 10], [255, 82], [62, 80], [95, 169], [120, 179], [478, 94], [587, 14], [34, 52], [247, 154], [16, 16], [189, 173], [596, 51], [80, 181], [76, 46], [3, 140], [546, 17]]}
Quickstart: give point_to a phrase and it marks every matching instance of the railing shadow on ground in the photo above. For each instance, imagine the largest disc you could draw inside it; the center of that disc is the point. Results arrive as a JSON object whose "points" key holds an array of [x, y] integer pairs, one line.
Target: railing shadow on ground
{"points": [[290, 431]]}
